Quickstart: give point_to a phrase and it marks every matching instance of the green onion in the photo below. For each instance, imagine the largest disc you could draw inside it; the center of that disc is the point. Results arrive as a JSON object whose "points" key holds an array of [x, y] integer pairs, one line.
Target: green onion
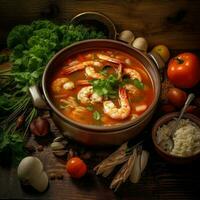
{"points": [[96, 115], [90, 108]]}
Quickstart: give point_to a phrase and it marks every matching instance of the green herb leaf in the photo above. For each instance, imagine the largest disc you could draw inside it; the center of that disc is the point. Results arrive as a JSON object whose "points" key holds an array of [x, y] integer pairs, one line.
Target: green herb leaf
{"points": [[106, 87], [138, 84], [96, 115], [105, 69], [90, 108]]}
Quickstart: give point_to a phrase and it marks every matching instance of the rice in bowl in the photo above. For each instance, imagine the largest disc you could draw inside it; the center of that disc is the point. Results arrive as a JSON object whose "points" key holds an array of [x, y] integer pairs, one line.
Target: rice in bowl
{"points": [[186, 138]]}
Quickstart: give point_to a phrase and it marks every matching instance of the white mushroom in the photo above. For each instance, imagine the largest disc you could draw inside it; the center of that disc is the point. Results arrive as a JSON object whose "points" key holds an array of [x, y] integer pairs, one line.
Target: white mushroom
{"points": [[140, 43], [126, 36], [30, 171]]}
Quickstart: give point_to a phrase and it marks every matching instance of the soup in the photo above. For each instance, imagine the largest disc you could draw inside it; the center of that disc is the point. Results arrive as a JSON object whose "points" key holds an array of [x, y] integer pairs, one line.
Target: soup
{"points": [[102, 87]]}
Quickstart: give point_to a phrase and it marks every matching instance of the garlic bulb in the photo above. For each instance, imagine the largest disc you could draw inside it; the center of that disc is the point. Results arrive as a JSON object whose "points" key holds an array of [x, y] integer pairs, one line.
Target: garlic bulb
{"points": [[126, 36], [140, 43], [30, 171]]}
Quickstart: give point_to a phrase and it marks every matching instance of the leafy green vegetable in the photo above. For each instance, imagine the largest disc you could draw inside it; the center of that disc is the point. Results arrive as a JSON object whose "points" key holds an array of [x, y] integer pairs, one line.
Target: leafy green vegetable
{"points": [[106, 87], [11, 148], [19, 35], [34, 45], [96, 115]]}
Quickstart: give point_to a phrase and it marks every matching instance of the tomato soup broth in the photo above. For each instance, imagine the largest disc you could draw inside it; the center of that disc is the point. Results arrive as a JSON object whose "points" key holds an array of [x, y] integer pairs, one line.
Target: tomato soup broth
{"points": [[102, 87]]}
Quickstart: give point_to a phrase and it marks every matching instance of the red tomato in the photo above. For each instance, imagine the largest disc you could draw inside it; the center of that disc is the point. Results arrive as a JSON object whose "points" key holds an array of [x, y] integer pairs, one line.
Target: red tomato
{"points": [[76, 167], [176, 97], [184, 70]]}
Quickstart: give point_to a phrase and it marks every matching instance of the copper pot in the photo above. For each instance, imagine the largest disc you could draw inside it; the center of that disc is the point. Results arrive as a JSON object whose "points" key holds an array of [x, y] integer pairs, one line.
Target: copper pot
{"points": [[98, 135]]}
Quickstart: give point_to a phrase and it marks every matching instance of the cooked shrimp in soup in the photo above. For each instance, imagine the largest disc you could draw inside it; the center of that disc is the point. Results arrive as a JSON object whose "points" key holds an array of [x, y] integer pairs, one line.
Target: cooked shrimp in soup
{"points": [[101, 89]]}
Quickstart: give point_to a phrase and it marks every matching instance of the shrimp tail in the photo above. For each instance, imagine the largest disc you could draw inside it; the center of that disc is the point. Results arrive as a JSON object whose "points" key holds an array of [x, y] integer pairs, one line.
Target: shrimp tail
{"points": [[109, 59], [69, 70], [122, 93], [83, 82]]}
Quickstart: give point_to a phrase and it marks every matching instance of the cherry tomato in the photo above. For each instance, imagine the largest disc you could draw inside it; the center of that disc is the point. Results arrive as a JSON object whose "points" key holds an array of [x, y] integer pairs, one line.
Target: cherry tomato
{"points": [[163, 51], [176, 97], [184, 70], [76, 167]]}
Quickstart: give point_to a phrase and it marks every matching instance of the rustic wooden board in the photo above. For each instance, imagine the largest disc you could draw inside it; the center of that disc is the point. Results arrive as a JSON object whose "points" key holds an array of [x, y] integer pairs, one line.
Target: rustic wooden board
{"points": [[173, 22]]}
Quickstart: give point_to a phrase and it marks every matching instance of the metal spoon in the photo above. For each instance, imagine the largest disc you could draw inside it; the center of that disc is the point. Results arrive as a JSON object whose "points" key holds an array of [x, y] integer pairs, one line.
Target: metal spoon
{"points": [[173, 130]]}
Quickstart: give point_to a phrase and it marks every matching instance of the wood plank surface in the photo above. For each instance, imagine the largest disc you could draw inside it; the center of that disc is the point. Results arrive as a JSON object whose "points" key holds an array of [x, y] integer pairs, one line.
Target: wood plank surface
{"points": [[172, 22]]}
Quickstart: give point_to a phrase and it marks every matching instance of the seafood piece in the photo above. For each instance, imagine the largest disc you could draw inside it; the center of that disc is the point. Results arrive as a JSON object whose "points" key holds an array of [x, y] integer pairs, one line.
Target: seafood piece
{"points": [[86, 95], [70, 102], [118, 113], [132, 73], [78, 112], [83, 82], [90, 71], [141, 108], [131, 88], [119, 71], [74, 62], [109, 59], [80, 66], [62, 83]]}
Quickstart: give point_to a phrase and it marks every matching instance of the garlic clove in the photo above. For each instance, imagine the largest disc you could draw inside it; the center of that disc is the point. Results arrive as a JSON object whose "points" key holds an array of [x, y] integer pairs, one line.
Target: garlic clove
{"points": [[58, 139], [57, 146], [126, 36], [60, 152], [140, 43], [40, 182]]}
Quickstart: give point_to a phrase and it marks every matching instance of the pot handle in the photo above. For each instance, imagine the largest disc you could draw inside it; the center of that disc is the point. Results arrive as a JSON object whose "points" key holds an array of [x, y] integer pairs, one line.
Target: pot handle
{"points": [[37, 98], [157, 60]]}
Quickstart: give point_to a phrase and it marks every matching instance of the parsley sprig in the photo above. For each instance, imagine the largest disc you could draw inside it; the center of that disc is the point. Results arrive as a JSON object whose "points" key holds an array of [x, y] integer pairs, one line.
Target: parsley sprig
{"points": [[106, 87]]}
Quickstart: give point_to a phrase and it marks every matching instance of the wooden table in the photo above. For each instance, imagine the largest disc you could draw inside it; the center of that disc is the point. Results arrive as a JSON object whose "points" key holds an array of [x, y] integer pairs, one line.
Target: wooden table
{"points": [[159, 181], [175, 23]]}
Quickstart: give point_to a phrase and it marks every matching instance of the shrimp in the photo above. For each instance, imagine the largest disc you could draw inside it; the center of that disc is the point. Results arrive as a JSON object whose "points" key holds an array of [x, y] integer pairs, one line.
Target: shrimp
{"points": [[89, 71], [80, 66], [62, 83], [86, 95], [132, 73], [131, 88], [118, 113], [109, 59], [83, 82], [70, 102]]}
